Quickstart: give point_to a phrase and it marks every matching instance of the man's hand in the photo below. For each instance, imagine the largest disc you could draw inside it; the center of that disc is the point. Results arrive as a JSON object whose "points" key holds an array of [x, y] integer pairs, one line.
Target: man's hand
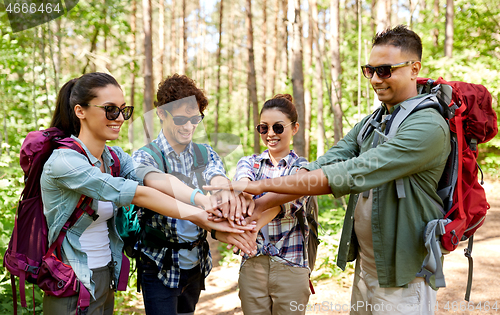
{"points": [[201, 219], [246, 242]]}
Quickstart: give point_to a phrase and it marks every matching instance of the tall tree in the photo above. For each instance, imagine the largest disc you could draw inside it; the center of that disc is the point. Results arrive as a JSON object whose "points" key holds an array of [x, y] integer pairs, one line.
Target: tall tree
{"points": [[251, 81], [448, 37], [435, 30], [183, 41], [217, 84], [275, 57], [285, 36], [148, 68], [318, 79], [161, 37], [308, 60], [336, 70], [133, 27], [230, 57], [299, 143], [173, 39], [264, 49]]}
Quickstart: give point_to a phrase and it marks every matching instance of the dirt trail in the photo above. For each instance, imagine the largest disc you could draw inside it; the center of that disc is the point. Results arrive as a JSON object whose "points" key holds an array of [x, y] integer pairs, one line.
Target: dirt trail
{"points": [[221, 296]]}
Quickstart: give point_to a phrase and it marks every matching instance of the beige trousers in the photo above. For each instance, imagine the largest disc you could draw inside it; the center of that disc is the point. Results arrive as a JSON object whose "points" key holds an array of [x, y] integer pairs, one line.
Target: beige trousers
{"points": [[268, 287], [369, 298]]}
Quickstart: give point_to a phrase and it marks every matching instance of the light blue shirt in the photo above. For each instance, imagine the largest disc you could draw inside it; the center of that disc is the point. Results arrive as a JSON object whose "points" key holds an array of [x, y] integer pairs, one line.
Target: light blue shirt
{"points": [[66, 176]]}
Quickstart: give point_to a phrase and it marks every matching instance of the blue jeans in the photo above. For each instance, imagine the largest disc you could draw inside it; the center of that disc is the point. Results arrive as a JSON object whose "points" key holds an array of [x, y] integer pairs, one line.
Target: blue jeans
{"points": [[160, 300]]}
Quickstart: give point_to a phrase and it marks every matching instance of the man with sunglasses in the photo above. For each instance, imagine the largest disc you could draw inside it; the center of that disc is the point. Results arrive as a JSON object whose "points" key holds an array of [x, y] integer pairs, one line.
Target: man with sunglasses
{"points": [[172, 273], [392, 183]]}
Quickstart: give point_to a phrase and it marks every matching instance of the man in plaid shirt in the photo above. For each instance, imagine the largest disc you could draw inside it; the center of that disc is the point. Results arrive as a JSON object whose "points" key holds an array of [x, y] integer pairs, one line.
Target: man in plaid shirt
{"points": [[173, 275]]}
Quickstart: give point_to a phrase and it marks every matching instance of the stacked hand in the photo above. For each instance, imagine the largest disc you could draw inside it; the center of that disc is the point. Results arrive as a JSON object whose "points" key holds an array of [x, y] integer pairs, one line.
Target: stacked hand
{"points": [[235, 209]]}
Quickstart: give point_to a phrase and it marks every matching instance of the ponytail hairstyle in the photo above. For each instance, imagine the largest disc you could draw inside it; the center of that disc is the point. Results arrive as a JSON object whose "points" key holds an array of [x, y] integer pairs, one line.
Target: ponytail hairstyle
{"points": [[78, 91], [283, 103]]}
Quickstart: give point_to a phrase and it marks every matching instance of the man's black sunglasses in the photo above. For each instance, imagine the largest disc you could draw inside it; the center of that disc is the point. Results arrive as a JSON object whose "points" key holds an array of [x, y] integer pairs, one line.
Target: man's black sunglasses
{"points": [[112, 111], [277, 127], [182, 120], [383, 71]]}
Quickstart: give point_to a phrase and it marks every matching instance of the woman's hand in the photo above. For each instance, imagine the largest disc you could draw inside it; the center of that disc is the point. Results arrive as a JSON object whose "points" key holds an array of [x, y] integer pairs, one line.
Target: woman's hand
{"points": [[251, 187]]}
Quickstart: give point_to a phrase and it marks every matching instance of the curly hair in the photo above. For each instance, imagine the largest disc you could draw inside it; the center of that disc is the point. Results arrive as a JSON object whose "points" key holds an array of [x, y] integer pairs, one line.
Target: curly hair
{"points": [[176, 87], [283, 103], [402, 37]]}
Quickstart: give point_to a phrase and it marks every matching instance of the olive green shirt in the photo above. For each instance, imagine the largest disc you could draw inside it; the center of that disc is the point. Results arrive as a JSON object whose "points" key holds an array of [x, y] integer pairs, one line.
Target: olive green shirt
{"points": [[417, 154]]}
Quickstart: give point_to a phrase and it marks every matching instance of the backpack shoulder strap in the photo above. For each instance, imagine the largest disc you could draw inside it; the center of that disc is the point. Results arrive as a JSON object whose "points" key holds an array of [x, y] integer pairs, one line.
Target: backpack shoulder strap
{"points": [[370, 125], [296, 165], [115, 168], [406, 109], [200, 163], [257, 168], [153, 150], [200, 155]]}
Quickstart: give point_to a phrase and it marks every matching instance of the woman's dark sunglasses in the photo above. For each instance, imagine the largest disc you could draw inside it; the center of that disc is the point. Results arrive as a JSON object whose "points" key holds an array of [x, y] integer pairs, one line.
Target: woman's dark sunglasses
{"points": [[182, 120], [384, 71], [277, 127], [112, 111]]}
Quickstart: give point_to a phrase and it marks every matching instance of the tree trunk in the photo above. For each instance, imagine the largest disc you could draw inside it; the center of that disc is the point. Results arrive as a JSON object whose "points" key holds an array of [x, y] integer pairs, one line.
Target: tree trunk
{"points": [[308, 80], [204, 54], [161, 37], [373, 13], [251, 82], [264, 49], [448, 38], [217, 84], [148, 69], [183, 42], [358, 103], [299, 143], [276, 60], [173, 39], [336, 89], [435, 31], [230, 57], [318, 78], [44, 70], [382, 15], [285, 32], [133, 27], [54, 62]]}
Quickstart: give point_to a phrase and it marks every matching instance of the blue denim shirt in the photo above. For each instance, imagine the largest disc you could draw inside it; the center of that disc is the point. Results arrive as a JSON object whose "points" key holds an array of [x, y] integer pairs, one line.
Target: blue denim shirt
{"points": [[67, 175]]}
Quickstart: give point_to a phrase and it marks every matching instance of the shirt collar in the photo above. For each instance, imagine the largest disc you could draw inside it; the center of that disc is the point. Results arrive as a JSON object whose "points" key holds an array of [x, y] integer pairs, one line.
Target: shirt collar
{"points": [[106, 155], [167, 148], [287, 160]]}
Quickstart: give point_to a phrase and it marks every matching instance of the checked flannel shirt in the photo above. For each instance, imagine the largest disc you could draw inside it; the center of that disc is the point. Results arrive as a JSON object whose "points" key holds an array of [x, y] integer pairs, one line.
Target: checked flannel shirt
{"points": [[285, 237], [181, 163]]}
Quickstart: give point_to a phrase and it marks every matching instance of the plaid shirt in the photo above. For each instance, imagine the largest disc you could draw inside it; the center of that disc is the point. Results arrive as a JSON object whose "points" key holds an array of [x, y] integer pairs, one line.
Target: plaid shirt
{"points": [[181, 163], [285, 237]]}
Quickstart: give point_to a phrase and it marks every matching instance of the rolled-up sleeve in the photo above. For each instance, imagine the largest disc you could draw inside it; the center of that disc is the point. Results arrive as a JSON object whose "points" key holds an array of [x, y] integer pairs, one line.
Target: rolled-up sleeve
{"points": [[244, 168], [215, 166]]}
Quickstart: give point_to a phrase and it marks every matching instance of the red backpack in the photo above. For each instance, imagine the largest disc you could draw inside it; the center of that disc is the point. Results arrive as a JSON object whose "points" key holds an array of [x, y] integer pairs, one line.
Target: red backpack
{"points": [[28, 255], [467, 109]]}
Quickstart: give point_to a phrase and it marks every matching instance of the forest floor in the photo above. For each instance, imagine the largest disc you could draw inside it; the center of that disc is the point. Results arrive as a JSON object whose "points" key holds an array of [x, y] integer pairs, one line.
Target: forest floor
{"points": [[333, 295]]}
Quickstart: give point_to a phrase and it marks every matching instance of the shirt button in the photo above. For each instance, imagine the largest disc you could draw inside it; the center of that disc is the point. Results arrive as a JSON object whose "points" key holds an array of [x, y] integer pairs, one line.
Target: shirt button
{"points": [[348, 243], [352, 217]]}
